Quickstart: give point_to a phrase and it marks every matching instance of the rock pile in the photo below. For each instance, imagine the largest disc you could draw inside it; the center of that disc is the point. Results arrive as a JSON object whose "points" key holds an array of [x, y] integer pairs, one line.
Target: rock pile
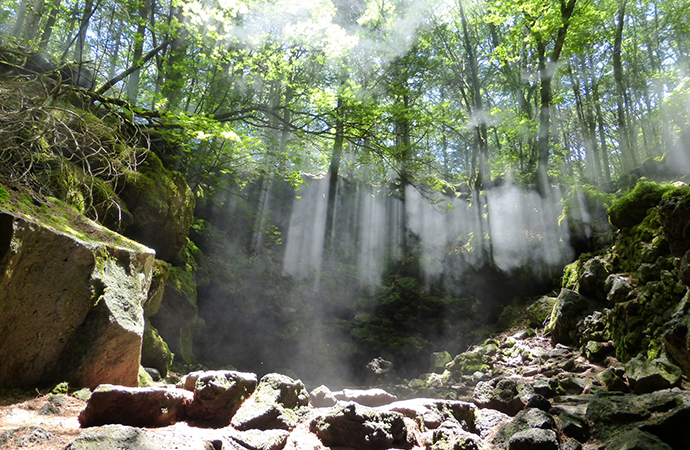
{"points": [[529, 394]]}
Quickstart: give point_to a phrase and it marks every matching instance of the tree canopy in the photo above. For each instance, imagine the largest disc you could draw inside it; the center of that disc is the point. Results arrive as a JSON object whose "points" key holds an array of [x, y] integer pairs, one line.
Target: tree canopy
{"points": [[425, 92]]}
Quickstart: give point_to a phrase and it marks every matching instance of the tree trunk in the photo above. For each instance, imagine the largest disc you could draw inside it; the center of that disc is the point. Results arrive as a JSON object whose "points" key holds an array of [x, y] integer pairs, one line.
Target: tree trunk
{"points": [[133, 80], [480, 172], [50, 23], [87, 12], [627, 157]]}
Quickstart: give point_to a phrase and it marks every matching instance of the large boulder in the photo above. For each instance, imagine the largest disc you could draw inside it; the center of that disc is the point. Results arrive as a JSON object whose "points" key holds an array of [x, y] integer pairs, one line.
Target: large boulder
{"points": [[177, 313], [279, 402], [652, 375], [501, 394], [138, 407], [432, 413], [570, 307], [361, 427], [162, 205], [674, 215], [76, 288]]}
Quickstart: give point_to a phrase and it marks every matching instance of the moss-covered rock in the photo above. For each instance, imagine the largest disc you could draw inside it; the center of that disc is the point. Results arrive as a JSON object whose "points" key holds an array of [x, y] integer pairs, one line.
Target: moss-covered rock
{"points": [[159, 275], [633, 206], [178, 312], [77, 290], [162, 205], [585, 212], [154, 351]]}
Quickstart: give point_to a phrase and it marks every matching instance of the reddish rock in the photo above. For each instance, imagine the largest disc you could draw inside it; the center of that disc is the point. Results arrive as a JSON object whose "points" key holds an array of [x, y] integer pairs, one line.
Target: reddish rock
{"points": [[137, 407]]}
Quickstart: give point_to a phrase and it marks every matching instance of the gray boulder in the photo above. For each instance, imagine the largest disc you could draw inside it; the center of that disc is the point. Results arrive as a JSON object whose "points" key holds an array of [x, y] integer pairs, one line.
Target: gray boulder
{"points": [[138, 407], [119, 437], [430, 413], [534, 439], [570, 307], [612, 413], [361, 427], [636, 439], [487, 420], [218, 395], [279, 402], [672, 427], [450, 435], [366, 397], [78, 296], [500, 394], [322, 397], [652, 375], [523, 421]]}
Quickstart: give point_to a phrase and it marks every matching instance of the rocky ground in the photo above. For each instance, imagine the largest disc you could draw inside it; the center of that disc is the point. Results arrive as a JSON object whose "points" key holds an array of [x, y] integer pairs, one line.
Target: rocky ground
{"points": [[517, 391]]}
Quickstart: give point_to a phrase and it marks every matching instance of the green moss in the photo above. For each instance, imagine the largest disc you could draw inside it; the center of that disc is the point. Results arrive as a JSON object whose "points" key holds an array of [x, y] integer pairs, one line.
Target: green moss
{"points": [[154, 351], [144, 378], [4, 195], [469, 362], [571, 275], [633, 206]]}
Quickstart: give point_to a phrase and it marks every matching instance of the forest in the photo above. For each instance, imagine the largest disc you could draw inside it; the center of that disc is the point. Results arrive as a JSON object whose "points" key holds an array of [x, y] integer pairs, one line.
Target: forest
{"points": [[426, 93]]}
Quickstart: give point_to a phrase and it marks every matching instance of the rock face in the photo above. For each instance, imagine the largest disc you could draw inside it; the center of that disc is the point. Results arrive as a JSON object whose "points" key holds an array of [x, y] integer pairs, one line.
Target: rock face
{"points": [[78, 299], [162, 205]]}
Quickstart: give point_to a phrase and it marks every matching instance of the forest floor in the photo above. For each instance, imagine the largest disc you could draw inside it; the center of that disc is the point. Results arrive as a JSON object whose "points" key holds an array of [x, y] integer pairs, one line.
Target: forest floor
{"points": [[26, 421]]}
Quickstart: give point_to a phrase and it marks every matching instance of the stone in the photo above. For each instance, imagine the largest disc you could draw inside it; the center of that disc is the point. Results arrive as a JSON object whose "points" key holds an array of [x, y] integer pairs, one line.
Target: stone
{"points": [[534, 439], [571, 423], [118, 437], [25, 437], [500, 394], [137, 407], [672, 427], [451, 436], [674, 215], [438, 361], [613, 379], [218, 395], [594, 275], [618, 287], [648, 376], [598, 351], [279, 402], [430, 413], [636, 439], [568, 310], [260, 439], [527, 419], [539, 312], [322, 397], [487, 420], [361, 427], [162, 205], [540, 402], [178, 313], [366, 397], [155, 353], [78, 296], [610, 413]]}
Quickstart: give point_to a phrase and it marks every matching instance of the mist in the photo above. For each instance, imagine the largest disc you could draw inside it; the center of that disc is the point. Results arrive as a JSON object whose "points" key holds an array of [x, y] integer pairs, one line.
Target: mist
{"points": [[293, 303]]}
